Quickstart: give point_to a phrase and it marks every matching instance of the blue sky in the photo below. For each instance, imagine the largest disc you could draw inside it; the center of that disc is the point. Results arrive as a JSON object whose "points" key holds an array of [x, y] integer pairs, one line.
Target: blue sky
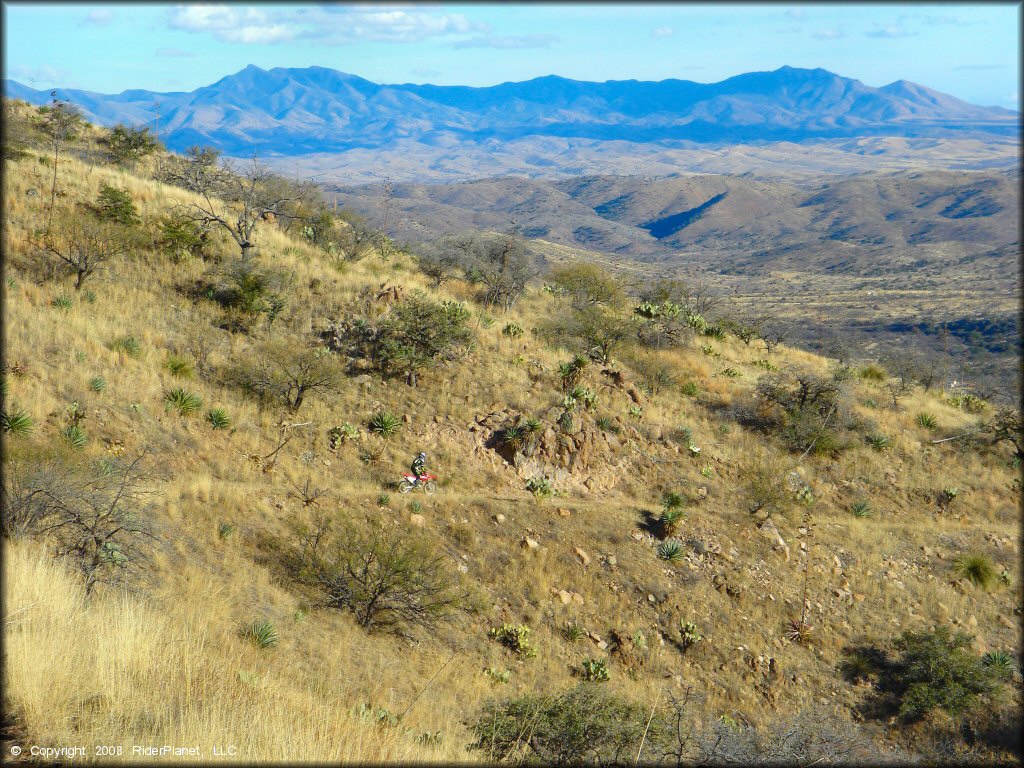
{"points": [[967, 50]]}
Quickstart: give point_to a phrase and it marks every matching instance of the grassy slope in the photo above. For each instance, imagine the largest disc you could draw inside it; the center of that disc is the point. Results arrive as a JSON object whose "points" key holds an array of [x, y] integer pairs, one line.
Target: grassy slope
{"points": [[165, 664]]}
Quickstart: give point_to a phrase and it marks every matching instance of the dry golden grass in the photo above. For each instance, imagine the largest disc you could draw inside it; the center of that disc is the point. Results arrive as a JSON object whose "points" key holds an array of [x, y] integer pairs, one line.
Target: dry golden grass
{"points": [[162, 666]]}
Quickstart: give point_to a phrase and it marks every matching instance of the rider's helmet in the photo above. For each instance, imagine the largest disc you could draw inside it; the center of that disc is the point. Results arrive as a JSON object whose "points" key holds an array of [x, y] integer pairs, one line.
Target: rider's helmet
{"points": [[422, 455]]}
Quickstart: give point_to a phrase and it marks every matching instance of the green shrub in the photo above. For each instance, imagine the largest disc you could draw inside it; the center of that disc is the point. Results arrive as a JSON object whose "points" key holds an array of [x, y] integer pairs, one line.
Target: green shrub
{"points": [[179, 366], [74, 435], [715, 332], [385, 424], [926, 420], [62, 302], [224, 530], [936, 671], [671, 550], [689, 389], [689, 633], [89, 296], [116, 205], [873, 372], [860, 509], [585, 725], [594, 671], [383, 500], [18, 423], [97, 384], [127, 344], [512, 330], [262, 633], [184, 402], [218, 418], [608, 425], [670, 520], [337, 435], [968, 402], [729, 373], [515, 637], [635, 412], [978, 569]]}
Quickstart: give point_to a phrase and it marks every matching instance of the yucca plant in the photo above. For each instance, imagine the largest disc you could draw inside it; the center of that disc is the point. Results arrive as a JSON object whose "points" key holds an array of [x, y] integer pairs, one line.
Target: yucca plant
{"points": [[860, 509], [218, 418], [926, 420], [184, 402], [179, 366], [224, 530], [573, 632], [415, 506], [879, 442], [62, 302], [74, 435], [383, 500], [385, 424], [127, 344], [97, 384], [89, 296], [636, 412], [977, 569], [715, 332], [608, 425], [18, 423], [594, 670], [513, 438], [670, 520], [999, 662], [671, 550], [262, 633]]}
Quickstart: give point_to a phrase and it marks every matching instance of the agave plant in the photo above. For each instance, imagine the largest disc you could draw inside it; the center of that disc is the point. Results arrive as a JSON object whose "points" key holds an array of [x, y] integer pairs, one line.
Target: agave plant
{"points": [[127, 344], [798, 631], [262, 633], [183, 401], [573, 632], [62, 302], [383, 500], [879, 442], [224, 530], [513, 438], [860, 509], [179, 366], [999, 662], [671, 550], [74, 435], [385, 424], [97, 384], [926, 420], [977, 569], [18, 423], [218, 418], [670, 520]]}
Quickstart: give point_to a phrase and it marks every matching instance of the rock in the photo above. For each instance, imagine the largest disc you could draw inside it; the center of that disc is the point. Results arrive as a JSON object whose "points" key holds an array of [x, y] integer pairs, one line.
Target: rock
{"points": [[859, 597], [1006, 622], [418, 520], [650, 598], [565, 597], [531, 544], [702, 492], [583, 556], [564, 513], [603, 645], [577, 598], [611, 560], [499, 518], [770, 532], [438, 419], [407, 418], [637, 536]]}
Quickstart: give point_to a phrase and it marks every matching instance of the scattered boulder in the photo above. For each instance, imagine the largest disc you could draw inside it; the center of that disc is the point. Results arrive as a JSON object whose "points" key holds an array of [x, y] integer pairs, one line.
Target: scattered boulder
{"points": [[528, 543], [417, 520], [583, 556], [771, 532]]}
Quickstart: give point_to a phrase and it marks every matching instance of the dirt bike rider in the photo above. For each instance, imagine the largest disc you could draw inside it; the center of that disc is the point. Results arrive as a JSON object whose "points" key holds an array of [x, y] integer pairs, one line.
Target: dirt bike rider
{"points": [[418, 470]]}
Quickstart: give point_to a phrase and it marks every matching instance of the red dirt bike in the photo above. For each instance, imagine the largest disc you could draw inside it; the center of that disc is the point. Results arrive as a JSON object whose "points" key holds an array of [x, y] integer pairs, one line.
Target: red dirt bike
{"points": [[426, 482]]}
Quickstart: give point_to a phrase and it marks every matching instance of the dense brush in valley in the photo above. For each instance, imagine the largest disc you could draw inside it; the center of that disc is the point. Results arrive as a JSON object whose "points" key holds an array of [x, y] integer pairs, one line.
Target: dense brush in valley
{"points": [[657, 533]]}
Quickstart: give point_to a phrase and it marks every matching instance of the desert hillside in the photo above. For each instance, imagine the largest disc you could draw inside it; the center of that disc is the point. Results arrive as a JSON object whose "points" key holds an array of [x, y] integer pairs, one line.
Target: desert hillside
{"points": [[657, 533]]}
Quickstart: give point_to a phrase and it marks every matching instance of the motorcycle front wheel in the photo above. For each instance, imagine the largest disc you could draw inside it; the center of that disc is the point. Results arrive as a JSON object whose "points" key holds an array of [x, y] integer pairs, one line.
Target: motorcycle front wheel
{"points": [[429, 487]]}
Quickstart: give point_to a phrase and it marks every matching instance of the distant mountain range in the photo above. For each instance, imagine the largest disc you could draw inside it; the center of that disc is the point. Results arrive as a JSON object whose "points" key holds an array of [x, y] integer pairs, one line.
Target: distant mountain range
{"points": [[291, 112]]}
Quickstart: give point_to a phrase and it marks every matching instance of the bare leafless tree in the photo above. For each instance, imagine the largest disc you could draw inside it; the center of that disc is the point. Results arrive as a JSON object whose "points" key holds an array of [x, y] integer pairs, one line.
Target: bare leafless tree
{"points": [[292, 372], [60, 122], [83, 245], [236, 199]]}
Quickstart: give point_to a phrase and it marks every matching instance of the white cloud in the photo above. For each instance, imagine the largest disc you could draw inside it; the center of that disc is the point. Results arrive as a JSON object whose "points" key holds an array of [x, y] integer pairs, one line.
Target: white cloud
{"points": [[829, 34], [173, 53], [100, 17], [662, 32], [498, 41], [796, 13], [322, 24], [43, 76], [889, 31]]}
